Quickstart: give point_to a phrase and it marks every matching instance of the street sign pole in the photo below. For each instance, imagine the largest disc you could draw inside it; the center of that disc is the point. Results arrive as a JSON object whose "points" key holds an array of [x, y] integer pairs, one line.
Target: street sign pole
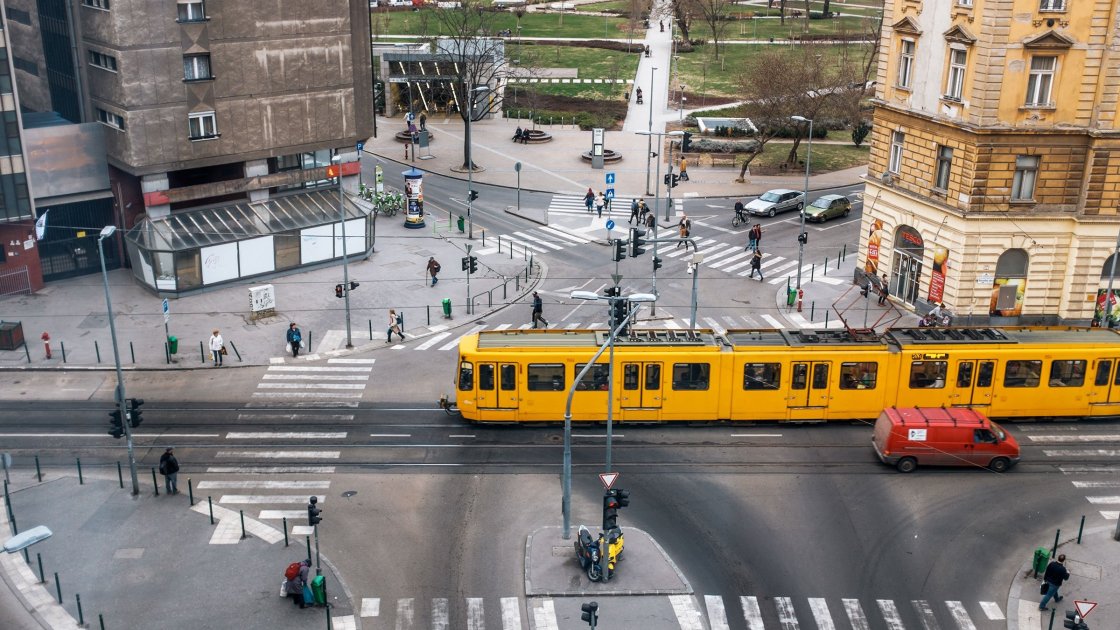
{"points": [[166, 320], [469, 246]]}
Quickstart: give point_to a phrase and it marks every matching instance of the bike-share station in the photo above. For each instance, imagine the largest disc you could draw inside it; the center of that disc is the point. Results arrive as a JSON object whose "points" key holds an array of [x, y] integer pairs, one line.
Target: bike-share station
{"points": [[413, 198]]}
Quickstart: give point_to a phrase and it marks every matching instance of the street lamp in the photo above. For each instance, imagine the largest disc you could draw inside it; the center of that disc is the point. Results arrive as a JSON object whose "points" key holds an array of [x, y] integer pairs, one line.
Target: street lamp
{"points": [[801, 236], [656, 192], [470, 158], [345, 253], [649, 144], [566, 502], [106, 232]]}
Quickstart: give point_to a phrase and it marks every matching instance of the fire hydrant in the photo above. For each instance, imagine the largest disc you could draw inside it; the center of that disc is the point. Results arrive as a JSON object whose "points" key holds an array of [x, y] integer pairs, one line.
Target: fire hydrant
{"points": [[800, 297], [46, 337]]}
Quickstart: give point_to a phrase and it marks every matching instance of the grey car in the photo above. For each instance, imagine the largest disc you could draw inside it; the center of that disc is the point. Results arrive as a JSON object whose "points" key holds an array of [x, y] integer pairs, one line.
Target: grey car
{"points": [[828, 207], [774, 201]]}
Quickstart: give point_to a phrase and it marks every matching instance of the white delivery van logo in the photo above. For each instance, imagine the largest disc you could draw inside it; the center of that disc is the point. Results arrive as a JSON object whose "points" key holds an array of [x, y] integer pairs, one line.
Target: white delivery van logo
{"points": [[917, 435]]}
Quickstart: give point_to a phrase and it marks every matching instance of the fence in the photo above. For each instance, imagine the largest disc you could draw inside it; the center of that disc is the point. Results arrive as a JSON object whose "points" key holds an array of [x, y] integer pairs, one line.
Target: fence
{"points": [[17, 282]]}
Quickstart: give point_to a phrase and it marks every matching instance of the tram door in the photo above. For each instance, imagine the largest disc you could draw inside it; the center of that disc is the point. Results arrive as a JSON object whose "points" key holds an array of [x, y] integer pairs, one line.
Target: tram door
{"points": [[497, 385], [809, 390], [642, 389], [1104, 396], [973, 383]]}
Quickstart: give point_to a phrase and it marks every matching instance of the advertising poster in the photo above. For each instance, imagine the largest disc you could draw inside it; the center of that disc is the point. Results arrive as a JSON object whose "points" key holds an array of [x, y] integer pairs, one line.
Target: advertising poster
{"points": [[874, 242], [379, 179], [1007, 297], [414, 199], [937, 274], [1101, 307]]}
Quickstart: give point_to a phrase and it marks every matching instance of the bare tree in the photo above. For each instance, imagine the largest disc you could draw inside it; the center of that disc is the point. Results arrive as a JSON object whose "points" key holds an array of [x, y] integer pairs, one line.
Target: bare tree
{"points": [[682, 15], [714, 13], [821, 85], [860, 61]]}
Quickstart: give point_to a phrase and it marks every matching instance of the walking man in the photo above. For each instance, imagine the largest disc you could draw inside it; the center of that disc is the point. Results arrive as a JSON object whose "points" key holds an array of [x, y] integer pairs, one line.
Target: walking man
{"points": [[685, 229], [433, 269], [169, 468], [684, 170], [756, 265], [600, 201], [650, 220], [634, 212], [1056, 573], [295, 338], [538, 311], [755, 236], [423, 121]]}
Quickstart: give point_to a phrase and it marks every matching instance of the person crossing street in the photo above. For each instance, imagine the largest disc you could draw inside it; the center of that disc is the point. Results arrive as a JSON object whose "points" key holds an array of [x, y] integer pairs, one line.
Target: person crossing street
{"points": [[538, 311]]}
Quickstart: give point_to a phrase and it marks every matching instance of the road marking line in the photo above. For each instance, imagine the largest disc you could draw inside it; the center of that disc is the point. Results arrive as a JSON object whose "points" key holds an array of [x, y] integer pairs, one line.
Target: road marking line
{"points": [[335, 417], [672, 325], [723, 262], [855, 614], [316, 377], [406, 614], [265, 485], [819, 608], [1080, 470], [1100, 452], [1110, 515], [773, 321], [353, 361], [537, 240], [270, 470], [569, 236], [440, 613], [311, 386], [281, 454], [1096, 484], [511, 613], [388, 435], [371, 607], [475, 617], [455, 342], [757, 435], [332, 395], [331, 340], [925, 614], [717, 616], [285, 435], [890, 614], [960, 615], [787, 616], [433, 341], [714, 325], [100, 435], [1098, 437], [685, 610], [276, 515], [344, 622], [316, 368], [265, 499], [752, 613], [1104, 500], [544, 615], [502, 326]]}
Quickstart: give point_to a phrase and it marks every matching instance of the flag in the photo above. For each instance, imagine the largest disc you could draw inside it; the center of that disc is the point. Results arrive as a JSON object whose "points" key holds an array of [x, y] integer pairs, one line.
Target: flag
{"points": [[41, 226]]}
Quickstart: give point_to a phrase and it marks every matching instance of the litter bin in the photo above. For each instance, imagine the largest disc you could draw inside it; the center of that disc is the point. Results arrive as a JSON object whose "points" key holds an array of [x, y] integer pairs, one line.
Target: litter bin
{"points": [[319, 590], [462, 224], [1041, 559], [447, 308], [173, 344], [791, 296]]}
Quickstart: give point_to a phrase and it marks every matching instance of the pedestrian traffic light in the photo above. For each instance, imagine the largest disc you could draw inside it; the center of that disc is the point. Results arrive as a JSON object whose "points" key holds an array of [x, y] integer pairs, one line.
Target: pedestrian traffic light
{"points": [[671, 180], [314, 514], [590, 613], [134, 412], [116, 427], [472, 195], [656, 263], [803, 238], [610, 511], [619, 250], [686, 142], [353, 285], [472, 264], [637, 243], [466, 263], [338, 290]]}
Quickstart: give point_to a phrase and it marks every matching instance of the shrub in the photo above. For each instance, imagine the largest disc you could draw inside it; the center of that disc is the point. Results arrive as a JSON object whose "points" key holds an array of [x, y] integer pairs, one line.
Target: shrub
{"points": [[860, 132]]}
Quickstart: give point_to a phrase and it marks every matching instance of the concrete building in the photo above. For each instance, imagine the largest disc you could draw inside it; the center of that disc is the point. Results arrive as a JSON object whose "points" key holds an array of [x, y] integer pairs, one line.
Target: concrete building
{"points": [[994, 179]]}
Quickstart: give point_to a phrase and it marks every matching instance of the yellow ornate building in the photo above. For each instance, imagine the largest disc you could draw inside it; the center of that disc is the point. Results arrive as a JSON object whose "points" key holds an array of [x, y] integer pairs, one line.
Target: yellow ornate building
{"points": [[994, 180]]}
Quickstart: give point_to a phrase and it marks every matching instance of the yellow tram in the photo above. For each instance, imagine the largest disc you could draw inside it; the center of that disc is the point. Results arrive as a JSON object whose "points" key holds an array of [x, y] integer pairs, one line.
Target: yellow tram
{"points": [[774, 375]]}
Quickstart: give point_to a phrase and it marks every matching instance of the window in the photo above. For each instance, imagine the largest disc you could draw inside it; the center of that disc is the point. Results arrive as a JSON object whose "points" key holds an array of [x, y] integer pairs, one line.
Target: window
{"points": [[1067, 373], [196, 68], [897, 140], [1023, 374], [466, 376], [203, 126], [762, 375], [631, 376], [928, 374], [1103, 369], [97, 4], [19, 15], [486, 378], [860, 375], [1052, 5], [103, 61], [944, 164], [1026, 173], [508, 374], [19, 63], [906, 64], [545, 377], [596, 379], [111, 119], [964, 374], [693, 376], [964, 3], [955, 87], [191, 12], [1040, 81]]}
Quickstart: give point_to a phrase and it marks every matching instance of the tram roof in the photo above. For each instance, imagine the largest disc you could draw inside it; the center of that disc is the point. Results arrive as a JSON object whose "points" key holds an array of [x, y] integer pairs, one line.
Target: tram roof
{"points": [[980, 335], [498, 339]]}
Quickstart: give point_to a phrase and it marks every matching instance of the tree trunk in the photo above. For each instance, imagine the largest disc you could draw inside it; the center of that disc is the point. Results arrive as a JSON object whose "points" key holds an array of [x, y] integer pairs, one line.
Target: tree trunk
{"points": [[747, 164], [825, 11], [792, 158], [782, 12]]}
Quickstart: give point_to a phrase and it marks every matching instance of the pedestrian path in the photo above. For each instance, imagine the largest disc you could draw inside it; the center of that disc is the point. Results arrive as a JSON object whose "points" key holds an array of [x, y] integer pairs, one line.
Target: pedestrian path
{"points": [[340, 379], [1078, 441]]}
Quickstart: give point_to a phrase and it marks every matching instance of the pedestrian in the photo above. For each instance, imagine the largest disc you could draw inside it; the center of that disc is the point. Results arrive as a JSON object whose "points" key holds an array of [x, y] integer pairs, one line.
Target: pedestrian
{"points": [[295, 339], [396, 322], [650, 221], [643, 210], [423, 121], [884, 291], [1056, 573], [756, 265], [740, 211], [295, 585], [589, 199], [684, 226], [638, 93], [169, 468], [684, 170], [600, 201], [433, 269], [634, 212], [755, 236], [217, 347], [538, 311], [517, 135], [661, 23]]}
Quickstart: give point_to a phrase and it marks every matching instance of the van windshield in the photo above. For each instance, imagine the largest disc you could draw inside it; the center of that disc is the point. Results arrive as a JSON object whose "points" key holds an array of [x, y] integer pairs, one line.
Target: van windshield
{"points": [[998, 430]]}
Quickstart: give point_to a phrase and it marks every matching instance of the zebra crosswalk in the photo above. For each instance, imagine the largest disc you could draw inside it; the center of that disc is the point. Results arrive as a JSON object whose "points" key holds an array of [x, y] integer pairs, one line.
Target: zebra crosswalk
{"points": [[1077, 441], [340, 379]]}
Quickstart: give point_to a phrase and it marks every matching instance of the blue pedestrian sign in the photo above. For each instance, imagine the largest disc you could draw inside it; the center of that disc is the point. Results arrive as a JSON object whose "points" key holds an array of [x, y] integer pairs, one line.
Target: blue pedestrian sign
{"points": [[610, 225], [610, 178], [609, 194]]}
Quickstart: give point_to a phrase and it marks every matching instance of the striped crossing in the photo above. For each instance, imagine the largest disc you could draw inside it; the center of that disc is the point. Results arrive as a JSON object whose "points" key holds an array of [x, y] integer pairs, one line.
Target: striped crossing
{"points": [[339, 379], [1078, 442]]}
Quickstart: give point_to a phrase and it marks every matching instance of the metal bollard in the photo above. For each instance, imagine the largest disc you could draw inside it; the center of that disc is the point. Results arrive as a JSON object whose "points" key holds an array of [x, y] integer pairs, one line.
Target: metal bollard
{"points": [[309, 547], [234, 346], [101, 620], [202, 351], [62, 344], [428, 308], [844, 252], [242, 524], [812, 310], [190, 491], [838, 260], [132, 351], [285, 531], [120, 475], [826, 318], [167, 353], [1080, 529], [812, 271], [38, 471], [499, 243], [81, 481], [210, 502], [1054, 549], [309, 346], [155, 484], [27, 352], [58, 587], [371, 330], [484, 238], [517, 283], [39, 558], [329, 618], [505, 286], [825, 272], [97, 351], [81, 618]]}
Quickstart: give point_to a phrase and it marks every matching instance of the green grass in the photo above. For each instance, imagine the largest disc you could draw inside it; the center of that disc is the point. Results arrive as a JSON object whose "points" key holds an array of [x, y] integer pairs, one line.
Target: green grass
{"points": [[764, 29], [425, 23], [826, 157], [591, 63], [620, 6], [703, 75]]}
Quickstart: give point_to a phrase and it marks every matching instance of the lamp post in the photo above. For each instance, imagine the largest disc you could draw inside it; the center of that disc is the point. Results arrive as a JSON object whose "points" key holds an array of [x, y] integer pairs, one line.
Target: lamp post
{"points": [[801, 237], [566, 501], [669, 187], [345, 254], [122, 406], [470, 158], [649, 144]]}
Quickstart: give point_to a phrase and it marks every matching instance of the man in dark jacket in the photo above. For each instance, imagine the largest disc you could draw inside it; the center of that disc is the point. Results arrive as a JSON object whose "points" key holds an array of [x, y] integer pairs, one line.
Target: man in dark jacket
{"points": [[538, 311], [1056, 573], [169, 468]]}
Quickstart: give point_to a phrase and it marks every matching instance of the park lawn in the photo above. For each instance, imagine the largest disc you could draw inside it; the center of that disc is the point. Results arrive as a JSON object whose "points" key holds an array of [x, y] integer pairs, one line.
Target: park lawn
{"points": [[703, 75], [592, 63], [794, 27], [621, 6], [425, 23], [825, 159], [597, 91]]}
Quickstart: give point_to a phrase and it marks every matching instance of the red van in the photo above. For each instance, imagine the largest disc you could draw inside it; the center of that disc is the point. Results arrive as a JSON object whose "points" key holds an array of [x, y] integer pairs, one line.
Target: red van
{"points": [[936, 436]]}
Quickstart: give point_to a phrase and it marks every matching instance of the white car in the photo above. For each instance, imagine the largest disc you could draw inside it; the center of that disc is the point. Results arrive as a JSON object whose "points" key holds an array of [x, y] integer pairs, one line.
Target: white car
{"points": [[778, 200]]}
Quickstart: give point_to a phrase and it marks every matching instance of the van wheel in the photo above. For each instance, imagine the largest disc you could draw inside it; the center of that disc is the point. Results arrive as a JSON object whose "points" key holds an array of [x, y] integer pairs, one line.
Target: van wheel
{"points": [[1000, 464], [906, 464]]}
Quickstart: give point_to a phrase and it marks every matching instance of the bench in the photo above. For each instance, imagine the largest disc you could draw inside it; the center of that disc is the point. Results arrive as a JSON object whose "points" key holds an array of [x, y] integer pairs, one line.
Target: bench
{"points": [[536, 136], [725, 160]]}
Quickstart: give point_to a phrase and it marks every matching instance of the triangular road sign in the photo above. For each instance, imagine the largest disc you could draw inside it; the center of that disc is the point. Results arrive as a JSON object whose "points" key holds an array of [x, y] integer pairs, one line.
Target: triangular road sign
{"points": [[608, 480], [1083, 607]]}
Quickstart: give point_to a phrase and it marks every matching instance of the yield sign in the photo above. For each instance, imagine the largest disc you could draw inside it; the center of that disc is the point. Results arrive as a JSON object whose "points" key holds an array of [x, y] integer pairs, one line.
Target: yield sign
{"points": [[1083, 607], [608, 480]]}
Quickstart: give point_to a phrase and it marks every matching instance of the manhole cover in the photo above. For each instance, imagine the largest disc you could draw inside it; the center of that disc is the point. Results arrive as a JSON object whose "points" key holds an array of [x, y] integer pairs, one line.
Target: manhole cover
{"points": [[560, 552], [349, 493]]}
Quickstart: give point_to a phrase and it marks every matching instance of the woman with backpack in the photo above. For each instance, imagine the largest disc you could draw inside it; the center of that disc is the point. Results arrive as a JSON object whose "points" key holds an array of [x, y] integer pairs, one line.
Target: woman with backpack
{"points": [[295, 339], [395, 324]]}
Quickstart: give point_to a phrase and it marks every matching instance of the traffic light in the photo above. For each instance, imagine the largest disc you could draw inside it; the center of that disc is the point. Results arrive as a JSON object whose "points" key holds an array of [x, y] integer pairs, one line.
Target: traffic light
{"points": [[134, 412], [1074, 621], [619, 250], [803, 238], [466, 263], [613, 292], [610, 511], [472, 195], [686, 142], [116, 427], [590, 613], [623, 497], [672, 180], [314, 514], [620, 311], [353, 285], [637, 243], [472, 264], [338, 290], [656, 263]]}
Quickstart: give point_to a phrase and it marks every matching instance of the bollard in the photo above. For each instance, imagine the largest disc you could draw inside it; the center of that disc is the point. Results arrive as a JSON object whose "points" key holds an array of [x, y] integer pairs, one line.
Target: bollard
{"points": [[499, 243], [837, 260], [97, 351], [371, 330], [101, 620], [81, 617], [210, 502], [234, 346], [844, 252], [309, 346], [490, 299], [39, 558], [58, 587], [27, 352], [154, 483], [826, 318], [1054, 550], [484, 238], [285, 531], [1080, 528], [132, 351], [243, 536], [167, 353], [81, 481], [202, 351], [1116, 532], [429, 309], [328, 618], [812, 271], [517, 283], [190, 491], [38, 471], [309, 547], [120, 475], [62, 344], [812, 309], [825, 268]]}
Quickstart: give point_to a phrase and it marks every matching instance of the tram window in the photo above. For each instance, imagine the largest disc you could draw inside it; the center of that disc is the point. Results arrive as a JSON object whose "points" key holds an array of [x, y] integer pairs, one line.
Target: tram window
{"points": [[928, 374], [859, 375], [653, 376], [508, 375], [486, 377], [1067, 373], [1023, 374], [1103, 370], [820, 376], [693, 376], [595, 379], [466, 376], [762, 375], [985, 374], [631, 376], [800, 376], [964, 374], [545, 377]]}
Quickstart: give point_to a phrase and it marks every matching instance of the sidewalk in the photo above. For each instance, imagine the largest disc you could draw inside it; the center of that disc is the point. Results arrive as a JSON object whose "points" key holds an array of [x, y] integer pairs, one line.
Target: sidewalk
{"points": [[152, 562], [1094, 567]]}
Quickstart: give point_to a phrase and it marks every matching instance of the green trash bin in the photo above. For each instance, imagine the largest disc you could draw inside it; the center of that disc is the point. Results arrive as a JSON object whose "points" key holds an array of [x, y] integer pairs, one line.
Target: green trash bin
{"points": [[173, 344], [447, 308], [319, 590], [791, 296], [1041, 559], [462, 224]]}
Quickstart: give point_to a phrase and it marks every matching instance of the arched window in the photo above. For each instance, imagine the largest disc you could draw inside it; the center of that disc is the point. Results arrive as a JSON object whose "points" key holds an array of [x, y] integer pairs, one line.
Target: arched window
{"points": [[1106, 270], [1010, 284]]}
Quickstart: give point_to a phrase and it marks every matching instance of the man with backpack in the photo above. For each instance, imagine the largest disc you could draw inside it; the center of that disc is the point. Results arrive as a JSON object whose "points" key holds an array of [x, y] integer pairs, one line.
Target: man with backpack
{"points": [[296, 585], [169, 468]]}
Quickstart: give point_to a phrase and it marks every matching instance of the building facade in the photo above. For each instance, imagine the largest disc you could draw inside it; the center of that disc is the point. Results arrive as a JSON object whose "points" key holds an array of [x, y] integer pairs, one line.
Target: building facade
{"points": [[994, 179]]}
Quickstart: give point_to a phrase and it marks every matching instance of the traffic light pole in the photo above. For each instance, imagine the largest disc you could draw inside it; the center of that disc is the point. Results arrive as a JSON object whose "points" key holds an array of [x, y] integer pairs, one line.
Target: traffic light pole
{"points": [[468, 278], [345, 257], [120, 393]]}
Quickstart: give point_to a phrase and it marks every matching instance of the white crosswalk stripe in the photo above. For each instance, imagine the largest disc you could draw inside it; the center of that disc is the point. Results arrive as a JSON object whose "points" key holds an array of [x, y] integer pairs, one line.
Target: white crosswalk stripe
{"points": [[992, 611], [688, 617], [316, 381], [787, 617], [855, 614], [960, 615], [717, 616], [925, 614], [890, 614], [752, 612]]}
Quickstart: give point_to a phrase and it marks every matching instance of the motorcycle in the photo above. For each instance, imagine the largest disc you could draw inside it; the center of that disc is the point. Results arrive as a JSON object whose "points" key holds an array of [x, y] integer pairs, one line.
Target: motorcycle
{"points": [[589, 555]]}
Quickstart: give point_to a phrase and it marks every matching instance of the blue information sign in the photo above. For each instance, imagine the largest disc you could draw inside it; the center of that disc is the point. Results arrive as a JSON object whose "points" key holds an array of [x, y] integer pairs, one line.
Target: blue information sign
{"points": [[609, 194], [610, 224], [610, 178]]}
